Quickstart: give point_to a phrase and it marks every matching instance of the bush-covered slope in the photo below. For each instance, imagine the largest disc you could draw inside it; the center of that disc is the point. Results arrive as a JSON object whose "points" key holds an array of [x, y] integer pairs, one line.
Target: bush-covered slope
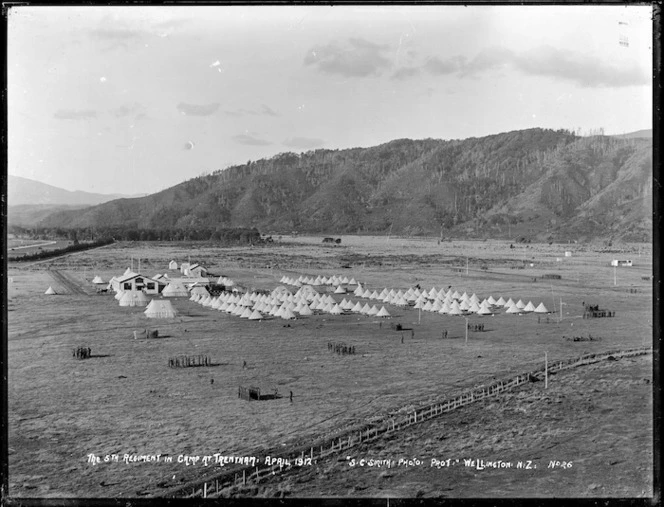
{"points": [[553, 180]]}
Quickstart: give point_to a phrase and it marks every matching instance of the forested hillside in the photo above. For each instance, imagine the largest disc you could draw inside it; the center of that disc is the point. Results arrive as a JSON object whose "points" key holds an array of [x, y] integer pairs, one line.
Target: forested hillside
{"points": [[536, 183]]}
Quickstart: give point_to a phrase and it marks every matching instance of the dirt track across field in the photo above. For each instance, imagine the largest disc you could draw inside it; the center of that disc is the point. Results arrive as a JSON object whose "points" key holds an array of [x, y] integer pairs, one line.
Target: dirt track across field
{"points": [[70, 284]]}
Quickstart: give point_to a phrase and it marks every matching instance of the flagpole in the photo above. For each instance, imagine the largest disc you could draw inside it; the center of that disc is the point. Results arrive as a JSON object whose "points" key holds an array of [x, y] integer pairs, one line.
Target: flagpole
{"points": [[561, 309]]}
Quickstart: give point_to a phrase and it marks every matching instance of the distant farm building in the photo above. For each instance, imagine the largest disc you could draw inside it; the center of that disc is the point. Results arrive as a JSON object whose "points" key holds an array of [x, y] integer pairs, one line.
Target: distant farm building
{"points": [[173, 265], [568, 254], [616, 262]]}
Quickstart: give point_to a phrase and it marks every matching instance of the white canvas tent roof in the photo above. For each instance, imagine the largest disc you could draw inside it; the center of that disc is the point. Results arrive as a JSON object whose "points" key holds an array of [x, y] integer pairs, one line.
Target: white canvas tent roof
{"points": [[200, 290], [50, 291], [175, 289], [541, 309], [133, 298], [287, 314], [160, 309], [305, 311], [530, 307], [383, 312], [97, 279], [255, 315]]}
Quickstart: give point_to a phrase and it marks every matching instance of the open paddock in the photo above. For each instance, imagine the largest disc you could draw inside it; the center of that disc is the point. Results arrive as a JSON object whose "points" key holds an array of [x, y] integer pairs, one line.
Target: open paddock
{"points": [[125, 398]]}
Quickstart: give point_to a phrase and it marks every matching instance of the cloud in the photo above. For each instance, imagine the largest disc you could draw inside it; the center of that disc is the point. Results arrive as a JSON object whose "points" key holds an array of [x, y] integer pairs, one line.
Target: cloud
{"points": [[250, 140], [73, 114], [118, 32], [115, 34], [267, 111], [544, 61], [264, 111], [134, 109], [436, 66], [405, 72], [197, 110], [303, 142], [353, 58], [487, 59], [584, 70]]}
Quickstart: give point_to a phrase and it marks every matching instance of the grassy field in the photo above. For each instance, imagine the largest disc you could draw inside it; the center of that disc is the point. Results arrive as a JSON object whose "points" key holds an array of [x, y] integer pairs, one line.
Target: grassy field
{"points": [[125, 399]]}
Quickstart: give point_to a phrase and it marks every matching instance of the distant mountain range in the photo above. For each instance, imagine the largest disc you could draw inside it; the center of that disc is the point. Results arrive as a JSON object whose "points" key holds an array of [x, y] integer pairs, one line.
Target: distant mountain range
{"points": [[30, 201], [22, 191], [536, 184]]}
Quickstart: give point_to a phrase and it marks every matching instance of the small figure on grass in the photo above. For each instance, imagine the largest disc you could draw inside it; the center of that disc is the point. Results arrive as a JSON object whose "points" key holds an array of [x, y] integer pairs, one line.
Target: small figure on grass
{"points": [[244, 365], [291, 396]]}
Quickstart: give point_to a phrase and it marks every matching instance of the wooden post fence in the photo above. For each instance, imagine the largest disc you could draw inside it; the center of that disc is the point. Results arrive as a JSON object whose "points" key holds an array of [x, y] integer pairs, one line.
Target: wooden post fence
{"points": [[425, 413]]}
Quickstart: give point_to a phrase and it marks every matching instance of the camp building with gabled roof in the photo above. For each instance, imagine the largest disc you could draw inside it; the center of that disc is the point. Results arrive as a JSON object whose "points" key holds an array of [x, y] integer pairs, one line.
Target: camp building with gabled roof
{"points": [[195, 270], [136, 281]]}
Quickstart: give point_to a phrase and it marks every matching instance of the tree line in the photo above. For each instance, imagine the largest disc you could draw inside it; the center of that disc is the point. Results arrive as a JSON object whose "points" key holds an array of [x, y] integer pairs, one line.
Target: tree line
{"points": [[229, 236], [76, 247]]}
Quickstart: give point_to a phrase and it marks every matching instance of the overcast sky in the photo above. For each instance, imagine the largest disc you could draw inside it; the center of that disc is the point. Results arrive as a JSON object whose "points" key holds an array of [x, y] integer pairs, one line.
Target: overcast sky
{"points": [[137, 99]]}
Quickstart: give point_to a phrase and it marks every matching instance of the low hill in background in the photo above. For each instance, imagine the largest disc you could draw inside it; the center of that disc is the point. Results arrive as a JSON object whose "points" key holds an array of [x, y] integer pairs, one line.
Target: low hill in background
{"points": [[24, 191], [536, 184], [639, 134], [27, 215]]}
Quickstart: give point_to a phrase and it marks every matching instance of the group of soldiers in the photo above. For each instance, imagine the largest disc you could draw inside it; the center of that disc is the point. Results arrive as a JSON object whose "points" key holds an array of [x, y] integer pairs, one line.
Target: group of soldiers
{"points": [[82, 352], [598, 314], [589, 338], [341, 348], [594, 312], [475, 327], [187, 361]]}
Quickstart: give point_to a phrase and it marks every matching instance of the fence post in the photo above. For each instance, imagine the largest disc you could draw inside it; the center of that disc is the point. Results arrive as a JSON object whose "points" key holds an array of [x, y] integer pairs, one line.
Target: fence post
{"points": [[205, 490]]}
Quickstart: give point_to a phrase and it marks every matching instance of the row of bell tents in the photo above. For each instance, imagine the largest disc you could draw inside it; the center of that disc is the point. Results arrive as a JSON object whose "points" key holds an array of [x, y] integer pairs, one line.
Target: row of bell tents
{"points": [[307, 299]]}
